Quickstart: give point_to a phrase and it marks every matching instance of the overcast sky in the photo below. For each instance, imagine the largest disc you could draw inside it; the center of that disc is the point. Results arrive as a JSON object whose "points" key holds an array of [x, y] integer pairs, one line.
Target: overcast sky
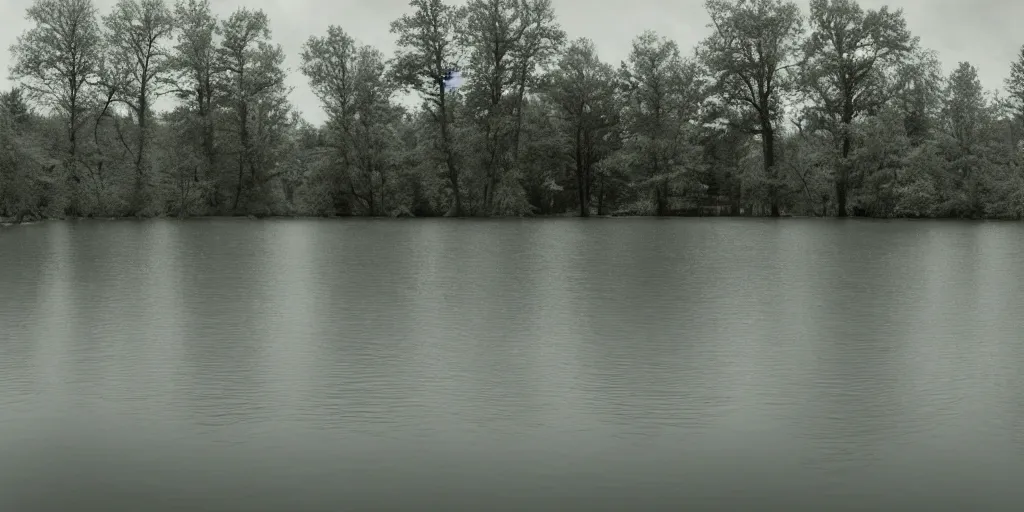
{"points": [[983, 32]]}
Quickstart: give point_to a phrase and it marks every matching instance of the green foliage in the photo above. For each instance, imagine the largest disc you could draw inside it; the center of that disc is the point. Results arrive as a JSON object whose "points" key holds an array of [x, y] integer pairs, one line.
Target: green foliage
{"points": [[917, 93], [753, 54], [1015, 85], [352, 83], [662, 95], [850, 56], [582, 94], [255, 105], [428, 47], [841, 113]]}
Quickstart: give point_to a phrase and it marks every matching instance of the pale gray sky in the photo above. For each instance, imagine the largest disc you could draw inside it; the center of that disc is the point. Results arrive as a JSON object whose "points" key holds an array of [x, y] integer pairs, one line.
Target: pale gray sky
{"points": [[983, 32]]}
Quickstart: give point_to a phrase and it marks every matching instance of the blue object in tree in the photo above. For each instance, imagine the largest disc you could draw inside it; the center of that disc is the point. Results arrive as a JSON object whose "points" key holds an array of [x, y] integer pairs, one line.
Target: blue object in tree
{"points": [[452, 80]]}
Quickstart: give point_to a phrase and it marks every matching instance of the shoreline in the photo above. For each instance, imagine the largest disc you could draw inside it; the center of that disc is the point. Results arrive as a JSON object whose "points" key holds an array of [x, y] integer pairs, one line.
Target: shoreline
{"points": [[12, 221]]}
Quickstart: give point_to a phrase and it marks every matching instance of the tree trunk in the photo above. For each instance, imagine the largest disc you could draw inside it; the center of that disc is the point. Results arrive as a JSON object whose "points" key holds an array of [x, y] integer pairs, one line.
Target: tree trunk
{"points": [[143, 126], [768, 146], [661, 199], [581, 174], [243, 135], [453, 172], [206, 116], [843, 178], [383, 191]]}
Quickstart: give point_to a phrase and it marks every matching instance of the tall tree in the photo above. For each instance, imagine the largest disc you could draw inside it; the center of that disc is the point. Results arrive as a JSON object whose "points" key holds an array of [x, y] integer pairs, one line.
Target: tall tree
{"points": [[848, 54], [194, 66], [494, 29], [427, 49], [57, 61], [254, 92], [966, 121], [752, 53], [328, 62], [136, 33], [583, 89], [663, 95], [542, 40], [352, 85], [13, 112], [374, 135], [918, 88], [1015, 85]]}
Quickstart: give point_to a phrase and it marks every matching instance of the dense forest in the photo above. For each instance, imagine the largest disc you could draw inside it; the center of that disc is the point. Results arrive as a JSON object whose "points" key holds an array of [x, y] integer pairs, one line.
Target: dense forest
{"points": [[831, 111]]}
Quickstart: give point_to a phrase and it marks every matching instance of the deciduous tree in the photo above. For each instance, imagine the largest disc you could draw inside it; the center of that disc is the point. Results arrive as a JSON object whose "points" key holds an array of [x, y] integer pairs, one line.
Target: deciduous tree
{"points": [[57, 62], [582, 88], [352, 84], [256, 96], [848, 54], [428, 49], [752, 53], [137, 33]]}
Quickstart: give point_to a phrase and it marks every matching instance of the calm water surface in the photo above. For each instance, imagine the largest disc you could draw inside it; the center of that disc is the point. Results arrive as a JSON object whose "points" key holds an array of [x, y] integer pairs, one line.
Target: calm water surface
{"points": [[627, 364]]}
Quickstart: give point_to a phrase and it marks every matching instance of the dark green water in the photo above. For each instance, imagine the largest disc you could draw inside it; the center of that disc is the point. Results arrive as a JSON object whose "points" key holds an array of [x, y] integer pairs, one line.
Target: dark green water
{"points": [[613, 364]]}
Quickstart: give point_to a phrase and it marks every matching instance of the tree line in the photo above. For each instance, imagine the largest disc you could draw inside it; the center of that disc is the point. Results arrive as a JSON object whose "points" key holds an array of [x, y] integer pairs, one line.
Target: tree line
{"points": [[838, 113]]}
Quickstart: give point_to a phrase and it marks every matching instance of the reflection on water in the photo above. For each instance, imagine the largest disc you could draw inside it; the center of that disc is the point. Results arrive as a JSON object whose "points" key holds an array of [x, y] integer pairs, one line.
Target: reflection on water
{"points": [[507, 364]]}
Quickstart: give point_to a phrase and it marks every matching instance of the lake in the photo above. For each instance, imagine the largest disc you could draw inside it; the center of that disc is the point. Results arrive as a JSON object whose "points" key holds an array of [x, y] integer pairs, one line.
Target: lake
{"points": [[556, 364]]}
